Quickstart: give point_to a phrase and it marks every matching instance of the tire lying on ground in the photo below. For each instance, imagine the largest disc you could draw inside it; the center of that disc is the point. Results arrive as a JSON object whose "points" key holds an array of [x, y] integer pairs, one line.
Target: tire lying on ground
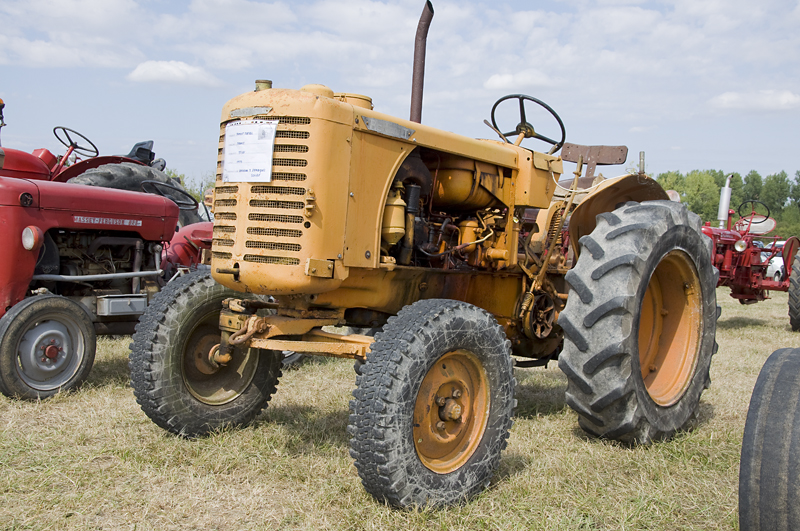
{"points": [[769, 471], [433, 404], [129, 176], [170, 380], [640, 322]]}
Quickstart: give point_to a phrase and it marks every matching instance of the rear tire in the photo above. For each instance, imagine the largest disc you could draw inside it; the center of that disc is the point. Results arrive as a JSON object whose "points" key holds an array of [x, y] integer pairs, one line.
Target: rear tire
{"points": [[640, 322], [129, 176], [180, 326], [409, 448], [47, 345], [769, 473], [794, 295]]}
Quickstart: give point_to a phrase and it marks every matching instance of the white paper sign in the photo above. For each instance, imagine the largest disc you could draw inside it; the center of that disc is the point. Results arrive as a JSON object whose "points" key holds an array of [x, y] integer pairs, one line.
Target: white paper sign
{"points": [[248, 151]]}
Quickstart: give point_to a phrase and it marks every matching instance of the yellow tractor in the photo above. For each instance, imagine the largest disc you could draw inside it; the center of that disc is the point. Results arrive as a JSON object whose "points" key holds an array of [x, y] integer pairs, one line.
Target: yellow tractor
{"points": [[333, 218]]}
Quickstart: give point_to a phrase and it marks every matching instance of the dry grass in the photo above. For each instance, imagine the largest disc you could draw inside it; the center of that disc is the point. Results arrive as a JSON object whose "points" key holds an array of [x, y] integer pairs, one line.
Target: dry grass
{"points": [[92, 460]]}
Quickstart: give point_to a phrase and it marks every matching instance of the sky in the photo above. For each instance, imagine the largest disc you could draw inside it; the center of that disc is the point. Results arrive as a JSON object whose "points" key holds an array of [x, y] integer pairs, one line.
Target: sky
{"points": [[711, 84]]}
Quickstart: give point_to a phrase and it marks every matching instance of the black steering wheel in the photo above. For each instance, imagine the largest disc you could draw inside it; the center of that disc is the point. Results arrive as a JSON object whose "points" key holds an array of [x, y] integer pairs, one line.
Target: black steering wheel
{"points": [[77, 148], [753, 209], [185, 200], [525, 128]]}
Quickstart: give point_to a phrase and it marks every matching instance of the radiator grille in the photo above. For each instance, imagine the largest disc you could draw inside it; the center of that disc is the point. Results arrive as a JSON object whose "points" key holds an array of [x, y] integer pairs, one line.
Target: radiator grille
{"points": [[273, 235]]}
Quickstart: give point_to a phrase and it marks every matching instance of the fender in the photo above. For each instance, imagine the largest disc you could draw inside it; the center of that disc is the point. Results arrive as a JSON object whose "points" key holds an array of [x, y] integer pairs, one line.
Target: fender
{"points": [[609, 195]]}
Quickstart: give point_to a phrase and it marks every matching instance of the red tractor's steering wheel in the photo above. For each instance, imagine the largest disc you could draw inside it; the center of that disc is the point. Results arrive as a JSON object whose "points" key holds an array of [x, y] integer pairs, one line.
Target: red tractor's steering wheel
{"points": [[185, 201], [526, 129], [753, 202], [76, 148]]}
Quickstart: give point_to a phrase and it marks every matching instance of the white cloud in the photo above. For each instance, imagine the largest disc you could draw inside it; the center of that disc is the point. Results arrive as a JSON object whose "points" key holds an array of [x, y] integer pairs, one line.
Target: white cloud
{"points": [[763, 100], [519, 80], [172, 72]]}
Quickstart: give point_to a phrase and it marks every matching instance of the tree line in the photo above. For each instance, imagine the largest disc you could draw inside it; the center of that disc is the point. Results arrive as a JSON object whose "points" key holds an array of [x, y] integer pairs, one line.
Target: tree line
{"points": [[699, 190]]}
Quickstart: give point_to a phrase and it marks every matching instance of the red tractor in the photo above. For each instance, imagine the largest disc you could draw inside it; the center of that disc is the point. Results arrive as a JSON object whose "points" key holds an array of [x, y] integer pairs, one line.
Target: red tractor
{"points": [[746, 267], [83, 260]]}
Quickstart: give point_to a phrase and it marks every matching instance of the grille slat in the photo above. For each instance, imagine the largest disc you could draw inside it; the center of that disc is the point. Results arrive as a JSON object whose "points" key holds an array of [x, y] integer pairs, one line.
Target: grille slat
{"points": [[227, 189], [279, 190], [223, 242], [224, 203], [280, 260], [292, 134], [298, 163], [290, 148], [276, 218], [261, 203], [273, 246], [279, 233], [228, 216]]}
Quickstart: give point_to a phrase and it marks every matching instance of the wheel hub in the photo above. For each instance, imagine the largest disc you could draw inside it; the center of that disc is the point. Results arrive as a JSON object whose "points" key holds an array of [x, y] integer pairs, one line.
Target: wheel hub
{"points": [[451, 411], [46, 354]]}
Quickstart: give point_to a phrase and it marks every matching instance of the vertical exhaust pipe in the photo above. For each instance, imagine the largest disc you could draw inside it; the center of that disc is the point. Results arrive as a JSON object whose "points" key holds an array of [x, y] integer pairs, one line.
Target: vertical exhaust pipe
{"points": [[418, 78]]}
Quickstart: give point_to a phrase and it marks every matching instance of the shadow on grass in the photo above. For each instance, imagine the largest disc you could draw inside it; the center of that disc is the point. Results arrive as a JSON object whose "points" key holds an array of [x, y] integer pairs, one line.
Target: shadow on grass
{"points": [[739, 322], [110, 371], [539, 394], [308, 426]]}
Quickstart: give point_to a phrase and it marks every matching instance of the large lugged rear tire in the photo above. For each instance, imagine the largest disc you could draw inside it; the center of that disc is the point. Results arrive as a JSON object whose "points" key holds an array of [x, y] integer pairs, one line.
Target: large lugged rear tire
{"points": [[170, 383], [794, 295], [433, 405], [129, 176], [769, 472], [640, 322]]}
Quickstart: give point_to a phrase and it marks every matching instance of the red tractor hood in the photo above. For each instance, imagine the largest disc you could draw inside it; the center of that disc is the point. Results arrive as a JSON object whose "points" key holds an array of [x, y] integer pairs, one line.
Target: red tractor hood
{"points": [[80, 207]]}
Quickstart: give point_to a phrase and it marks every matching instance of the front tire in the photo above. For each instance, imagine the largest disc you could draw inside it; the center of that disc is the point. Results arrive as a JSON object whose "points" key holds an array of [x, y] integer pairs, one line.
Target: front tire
{"points": [[47, 345], [769, 472], [433, 405], [172, 385], [640, 322]]}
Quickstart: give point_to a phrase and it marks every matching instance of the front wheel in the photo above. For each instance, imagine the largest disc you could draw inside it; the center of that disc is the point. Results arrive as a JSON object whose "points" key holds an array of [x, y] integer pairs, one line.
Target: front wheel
{"points": [[433, 405], [173, 384], [47, 345], [640, 322]]}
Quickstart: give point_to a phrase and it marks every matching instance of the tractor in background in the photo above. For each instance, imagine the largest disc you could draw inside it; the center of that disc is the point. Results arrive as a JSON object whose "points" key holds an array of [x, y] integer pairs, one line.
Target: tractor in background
{"points": [[84, 250], [746, 265]]}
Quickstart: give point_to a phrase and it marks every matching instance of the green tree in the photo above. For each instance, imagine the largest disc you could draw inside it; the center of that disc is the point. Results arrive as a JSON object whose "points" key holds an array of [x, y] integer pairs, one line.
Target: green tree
{"points": [[752, 185], [794, 193], [775, 192], [672, 180], [702, 194]]}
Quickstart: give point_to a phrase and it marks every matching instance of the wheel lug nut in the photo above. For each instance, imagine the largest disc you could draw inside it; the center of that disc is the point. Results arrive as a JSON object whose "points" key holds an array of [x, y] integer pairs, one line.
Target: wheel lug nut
{"points": [[440, 401], [456, 393], [440, 426]]}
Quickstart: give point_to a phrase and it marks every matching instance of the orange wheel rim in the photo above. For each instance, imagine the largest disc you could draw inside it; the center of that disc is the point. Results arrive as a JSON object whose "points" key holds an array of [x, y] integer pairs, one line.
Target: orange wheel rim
{"points": [[670, 328], [451, 411]]}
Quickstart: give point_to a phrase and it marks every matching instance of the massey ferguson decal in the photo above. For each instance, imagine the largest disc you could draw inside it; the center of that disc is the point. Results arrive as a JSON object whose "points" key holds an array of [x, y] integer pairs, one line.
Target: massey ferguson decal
{"points": [[88, 220]]}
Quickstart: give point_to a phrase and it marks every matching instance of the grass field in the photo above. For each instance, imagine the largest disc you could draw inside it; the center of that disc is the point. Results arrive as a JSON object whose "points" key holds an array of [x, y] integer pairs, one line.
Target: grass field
{"points": [[93, 460]]}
